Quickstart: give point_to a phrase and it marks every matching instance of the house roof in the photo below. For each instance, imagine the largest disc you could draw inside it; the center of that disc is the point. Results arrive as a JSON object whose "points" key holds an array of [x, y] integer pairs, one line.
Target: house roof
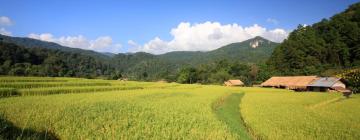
{"points": [[290, 81], [324, 82], [235, 82]]}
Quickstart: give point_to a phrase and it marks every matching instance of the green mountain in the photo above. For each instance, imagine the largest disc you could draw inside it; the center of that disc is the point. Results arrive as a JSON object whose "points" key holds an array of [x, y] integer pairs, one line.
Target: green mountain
{"points": [[137, 66], [31, 43], [331, 44], [252, 51], [40, 61]]}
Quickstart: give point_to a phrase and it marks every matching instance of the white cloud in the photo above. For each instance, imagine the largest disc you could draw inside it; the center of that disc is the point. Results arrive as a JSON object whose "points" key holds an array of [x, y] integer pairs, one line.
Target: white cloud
{"points": [[3, 31], [5, 21], [273, 21], [101, 44], [206, 36]]}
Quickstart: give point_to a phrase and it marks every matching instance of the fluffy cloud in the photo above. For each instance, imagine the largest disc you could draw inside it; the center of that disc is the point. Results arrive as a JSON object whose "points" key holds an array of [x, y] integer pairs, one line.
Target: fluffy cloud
{"points": [[3, 31], [5, 21], [206, 36], [101, 44]]}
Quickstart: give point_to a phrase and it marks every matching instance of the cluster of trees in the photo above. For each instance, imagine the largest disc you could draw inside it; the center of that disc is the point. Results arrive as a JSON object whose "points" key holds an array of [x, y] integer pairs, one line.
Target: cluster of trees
{"points": [[21, 61], [352, 77], [220, 71], [330, 44]]}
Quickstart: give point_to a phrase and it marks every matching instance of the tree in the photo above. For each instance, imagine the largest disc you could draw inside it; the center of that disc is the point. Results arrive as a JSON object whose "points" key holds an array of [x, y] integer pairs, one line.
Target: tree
{"points": [[187, 75]]}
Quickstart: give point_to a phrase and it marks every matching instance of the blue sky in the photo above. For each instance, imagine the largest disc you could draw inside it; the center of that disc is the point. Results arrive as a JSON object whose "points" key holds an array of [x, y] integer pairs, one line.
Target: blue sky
{"points": [[135, 25]]}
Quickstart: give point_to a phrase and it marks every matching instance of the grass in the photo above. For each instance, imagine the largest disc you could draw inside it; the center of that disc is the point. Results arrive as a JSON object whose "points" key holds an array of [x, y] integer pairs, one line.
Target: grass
{"points": [[135, 114], [148, 110], [29, 85], [7, 92], [289, 115], [227, 110]]}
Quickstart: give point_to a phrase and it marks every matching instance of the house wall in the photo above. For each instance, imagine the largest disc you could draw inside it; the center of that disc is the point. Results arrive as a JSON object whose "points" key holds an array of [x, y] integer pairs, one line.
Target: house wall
{"points": [[318, 89], [339, 84]]}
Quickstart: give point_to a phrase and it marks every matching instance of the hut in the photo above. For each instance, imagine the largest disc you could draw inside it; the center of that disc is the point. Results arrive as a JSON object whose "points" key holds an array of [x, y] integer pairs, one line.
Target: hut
{"points": [[233, 83], [298, 83], [328, 84]]}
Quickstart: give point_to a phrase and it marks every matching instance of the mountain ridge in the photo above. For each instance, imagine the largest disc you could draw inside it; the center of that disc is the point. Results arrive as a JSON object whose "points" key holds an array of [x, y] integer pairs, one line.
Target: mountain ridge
{"points": [[135, 64]]}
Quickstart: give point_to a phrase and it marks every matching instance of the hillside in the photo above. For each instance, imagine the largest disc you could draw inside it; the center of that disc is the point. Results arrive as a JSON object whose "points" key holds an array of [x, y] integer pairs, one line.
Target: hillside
{"points": [[40, 61], [31, 43], [252, 51], [136, 66], [329, 44]]}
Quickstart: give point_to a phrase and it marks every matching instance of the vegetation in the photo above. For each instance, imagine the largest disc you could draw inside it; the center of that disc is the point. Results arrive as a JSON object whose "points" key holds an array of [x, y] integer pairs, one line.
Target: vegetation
{"points": [[162, 111], [324, 48], [227, 110], [330, 44], [149, 110], [220, 71], [21, 61], [280, 114], [50, 108], [353, 79], [29, 57]]}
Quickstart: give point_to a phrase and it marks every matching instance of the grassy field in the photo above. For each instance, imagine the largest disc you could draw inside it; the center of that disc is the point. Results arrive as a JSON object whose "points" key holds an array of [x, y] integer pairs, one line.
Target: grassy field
{"points": [[71, 108], [273, 114]]}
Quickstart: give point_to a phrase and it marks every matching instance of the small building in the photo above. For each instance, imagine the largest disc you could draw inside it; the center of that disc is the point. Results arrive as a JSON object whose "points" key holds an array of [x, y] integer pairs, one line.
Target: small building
{"points": [[328, 84], [298, 83], [233, 83]]}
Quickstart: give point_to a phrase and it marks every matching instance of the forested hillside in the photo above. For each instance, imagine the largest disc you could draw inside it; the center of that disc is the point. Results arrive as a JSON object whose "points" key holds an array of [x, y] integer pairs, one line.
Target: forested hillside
{"points": [[25, 56], [38, 61], [30, 43], [331, 44], [145, 66]]}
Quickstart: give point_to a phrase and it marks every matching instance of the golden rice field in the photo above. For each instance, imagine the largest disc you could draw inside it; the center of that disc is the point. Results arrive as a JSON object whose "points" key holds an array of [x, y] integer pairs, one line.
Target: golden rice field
{"points": [[74, 108]]}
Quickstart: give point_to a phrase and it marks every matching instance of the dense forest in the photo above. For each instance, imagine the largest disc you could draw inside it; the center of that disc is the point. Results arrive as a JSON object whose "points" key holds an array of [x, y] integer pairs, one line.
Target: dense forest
{"points": [[330, 45], [36, 61]]}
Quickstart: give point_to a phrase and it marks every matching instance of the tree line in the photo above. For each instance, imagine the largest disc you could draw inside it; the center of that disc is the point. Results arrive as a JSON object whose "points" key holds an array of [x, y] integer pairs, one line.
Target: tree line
{"points": [[36, 61]]}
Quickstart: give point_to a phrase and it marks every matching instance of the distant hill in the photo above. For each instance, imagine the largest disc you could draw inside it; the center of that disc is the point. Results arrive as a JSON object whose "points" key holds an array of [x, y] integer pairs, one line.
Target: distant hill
{"points": [[139, 65], [255, 50], [30, 43]]}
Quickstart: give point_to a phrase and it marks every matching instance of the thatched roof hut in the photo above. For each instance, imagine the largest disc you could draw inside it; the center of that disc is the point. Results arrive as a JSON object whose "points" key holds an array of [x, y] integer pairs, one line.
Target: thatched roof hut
{"points": [[289, 82], [233, 83]]}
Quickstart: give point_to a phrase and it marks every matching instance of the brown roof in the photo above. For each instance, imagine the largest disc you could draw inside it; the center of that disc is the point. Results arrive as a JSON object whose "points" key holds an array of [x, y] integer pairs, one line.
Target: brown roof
{"points": [[233, 83], [291, 82]]}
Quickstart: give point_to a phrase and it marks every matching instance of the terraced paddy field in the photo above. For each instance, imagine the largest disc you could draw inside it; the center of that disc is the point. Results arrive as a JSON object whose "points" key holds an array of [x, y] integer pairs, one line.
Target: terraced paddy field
{"points": [[74, 108]]}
